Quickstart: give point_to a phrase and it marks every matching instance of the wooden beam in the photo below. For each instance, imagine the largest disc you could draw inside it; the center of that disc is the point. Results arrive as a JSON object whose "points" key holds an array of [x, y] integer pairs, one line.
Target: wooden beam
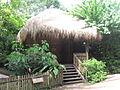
{"points": [[87, 50]]}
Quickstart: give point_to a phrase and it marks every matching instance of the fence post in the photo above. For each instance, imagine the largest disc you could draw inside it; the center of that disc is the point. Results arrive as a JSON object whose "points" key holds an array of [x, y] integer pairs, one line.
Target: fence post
{"points": [[18, 83], [48, 79], [7, 85]]}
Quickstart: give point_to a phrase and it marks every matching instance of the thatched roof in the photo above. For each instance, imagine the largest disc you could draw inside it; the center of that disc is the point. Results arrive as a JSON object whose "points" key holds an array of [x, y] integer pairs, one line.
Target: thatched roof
{"points": [[54, 23]]}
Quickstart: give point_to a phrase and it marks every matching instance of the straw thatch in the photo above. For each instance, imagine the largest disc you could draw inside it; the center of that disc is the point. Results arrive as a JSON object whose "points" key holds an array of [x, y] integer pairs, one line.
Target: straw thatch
{"points": [[54, 23]]}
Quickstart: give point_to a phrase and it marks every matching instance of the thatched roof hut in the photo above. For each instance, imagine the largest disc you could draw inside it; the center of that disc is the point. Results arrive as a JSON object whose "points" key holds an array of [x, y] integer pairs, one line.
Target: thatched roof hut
{"points": [[53, 24]]}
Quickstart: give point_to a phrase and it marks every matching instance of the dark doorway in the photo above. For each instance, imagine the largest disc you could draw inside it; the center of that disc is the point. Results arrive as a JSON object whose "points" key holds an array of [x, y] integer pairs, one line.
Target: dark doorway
{"points": [[78, 47], [67, 51]]}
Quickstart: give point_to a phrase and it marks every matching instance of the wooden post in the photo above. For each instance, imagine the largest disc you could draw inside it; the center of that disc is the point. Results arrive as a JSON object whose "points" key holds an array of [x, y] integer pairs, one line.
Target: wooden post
{"points": [[87, 50], [18, 82], [7, 84]]}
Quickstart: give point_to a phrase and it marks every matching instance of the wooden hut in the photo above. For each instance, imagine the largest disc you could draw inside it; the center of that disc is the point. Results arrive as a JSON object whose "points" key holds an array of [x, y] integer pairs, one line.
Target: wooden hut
{"points": [[65, 34]]}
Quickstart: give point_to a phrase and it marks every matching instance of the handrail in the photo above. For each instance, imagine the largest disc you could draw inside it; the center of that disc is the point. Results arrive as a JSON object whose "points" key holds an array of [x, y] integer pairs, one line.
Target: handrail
{"points": [[77, 63]]}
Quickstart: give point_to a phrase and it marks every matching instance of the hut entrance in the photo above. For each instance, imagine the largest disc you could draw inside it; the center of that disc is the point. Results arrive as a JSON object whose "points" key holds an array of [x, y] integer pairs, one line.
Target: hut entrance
{"points": [[65, 48], [67, 51]]}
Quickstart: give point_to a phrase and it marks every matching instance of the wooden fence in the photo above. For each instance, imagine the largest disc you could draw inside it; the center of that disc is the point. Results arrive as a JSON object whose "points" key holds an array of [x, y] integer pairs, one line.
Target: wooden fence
{"points": [[26, 82]]}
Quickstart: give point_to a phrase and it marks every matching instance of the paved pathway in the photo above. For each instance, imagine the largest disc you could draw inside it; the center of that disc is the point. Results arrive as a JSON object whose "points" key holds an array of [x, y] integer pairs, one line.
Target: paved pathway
{"points": [[111, 83]]}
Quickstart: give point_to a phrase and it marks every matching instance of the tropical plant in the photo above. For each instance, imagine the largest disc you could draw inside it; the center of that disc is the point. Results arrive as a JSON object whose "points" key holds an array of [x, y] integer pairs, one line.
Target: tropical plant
{"points": [[11, 19], [33, 60], [101, 13], [95, 70]]}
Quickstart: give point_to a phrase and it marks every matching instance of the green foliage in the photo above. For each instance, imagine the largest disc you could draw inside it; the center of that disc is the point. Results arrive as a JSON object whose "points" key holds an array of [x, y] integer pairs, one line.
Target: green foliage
{"points": [[95, 70], [101, 13], [10, 22], [34, 7], [17, 46], [108, 50], [5, 45], [11, 19], [33, 60], [105, 14], [91, 10]]}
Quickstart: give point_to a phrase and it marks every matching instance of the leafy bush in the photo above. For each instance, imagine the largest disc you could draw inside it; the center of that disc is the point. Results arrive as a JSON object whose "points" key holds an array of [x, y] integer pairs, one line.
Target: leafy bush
{"points": [[6, 38], [11, 19], [33, 60], [10, 22], [108, 50], [95, 70]]}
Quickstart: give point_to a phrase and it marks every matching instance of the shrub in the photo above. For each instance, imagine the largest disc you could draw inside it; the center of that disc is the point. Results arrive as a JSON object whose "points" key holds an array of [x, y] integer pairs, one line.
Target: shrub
{"points": [[10, 22], [108, 50], [11, 19], [6, 37], [95, 70], [33, 60]]}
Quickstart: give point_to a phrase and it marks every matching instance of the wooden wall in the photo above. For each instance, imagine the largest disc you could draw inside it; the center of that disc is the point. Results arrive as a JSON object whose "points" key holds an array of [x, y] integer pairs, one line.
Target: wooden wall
{"points": [[63, 48]]}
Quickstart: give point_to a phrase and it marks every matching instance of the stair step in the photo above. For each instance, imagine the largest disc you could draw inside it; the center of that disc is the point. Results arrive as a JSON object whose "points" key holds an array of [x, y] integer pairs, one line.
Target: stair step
{"points": [[71, 79], [68, 76], [66, 65], [70, 67], [68, 73], [69, 70], [72, 82]]}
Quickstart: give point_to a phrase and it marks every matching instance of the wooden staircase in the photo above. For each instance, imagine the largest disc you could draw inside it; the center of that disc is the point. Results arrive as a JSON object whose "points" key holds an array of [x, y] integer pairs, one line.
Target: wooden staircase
{"points": [[70, 75]]}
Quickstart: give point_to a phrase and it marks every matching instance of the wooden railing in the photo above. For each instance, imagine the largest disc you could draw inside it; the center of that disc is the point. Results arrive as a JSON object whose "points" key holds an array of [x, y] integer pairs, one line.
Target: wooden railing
{"points": [[77, 61], [25, 82]]}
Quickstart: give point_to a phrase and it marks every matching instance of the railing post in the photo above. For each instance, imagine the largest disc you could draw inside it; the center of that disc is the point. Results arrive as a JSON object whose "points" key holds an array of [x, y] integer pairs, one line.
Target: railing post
{"points": [[61, 76], [87, 50], [18, 82], [77, 63], [48, 77]]}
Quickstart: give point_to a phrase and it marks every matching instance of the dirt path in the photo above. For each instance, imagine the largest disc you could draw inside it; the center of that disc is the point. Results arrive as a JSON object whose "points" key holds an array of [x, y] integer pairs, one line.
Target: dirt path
{"points": [[111, 83]]}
